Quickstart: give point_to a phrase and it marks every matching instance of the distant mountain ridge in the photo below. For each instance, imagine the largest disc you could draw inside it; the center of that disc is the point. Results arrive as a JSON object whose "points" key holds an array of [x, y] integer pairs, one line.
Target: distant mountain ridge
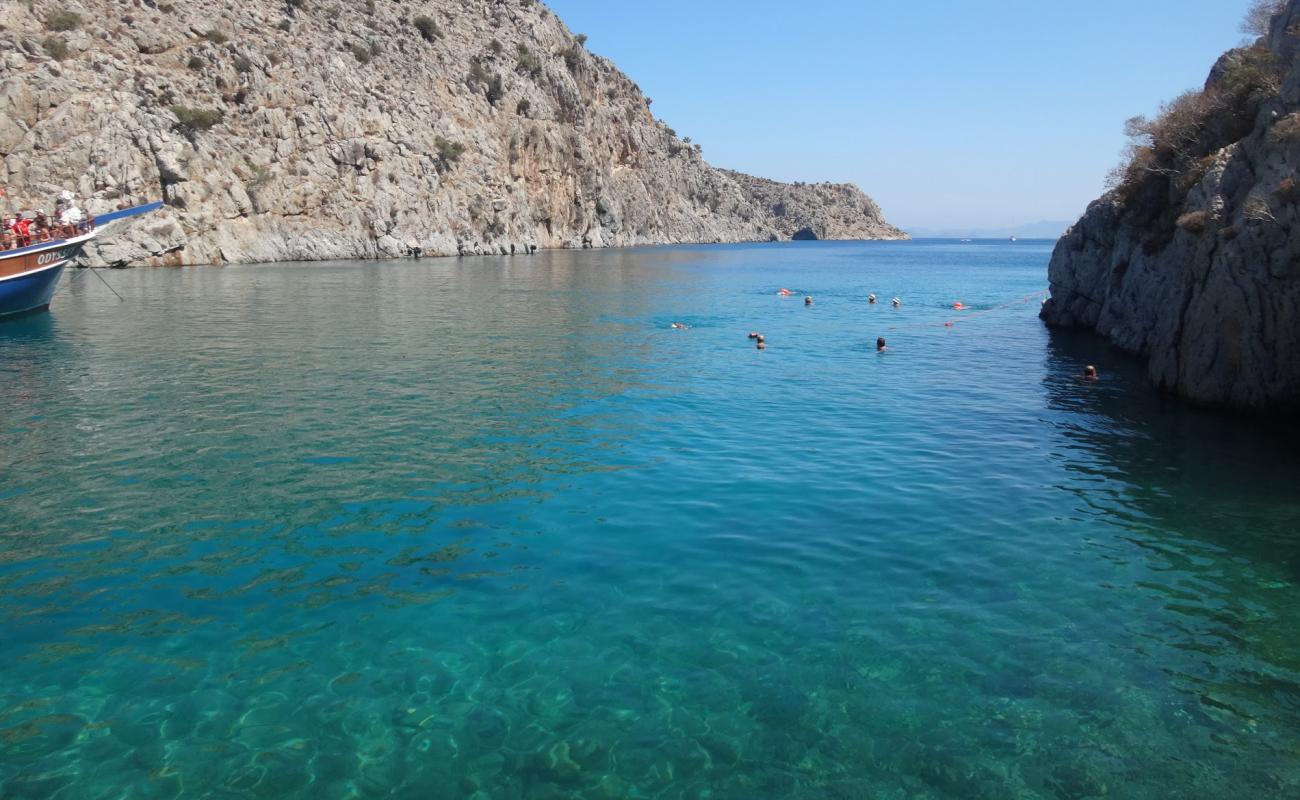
{"points": [[1045, 229], [295, 131]]}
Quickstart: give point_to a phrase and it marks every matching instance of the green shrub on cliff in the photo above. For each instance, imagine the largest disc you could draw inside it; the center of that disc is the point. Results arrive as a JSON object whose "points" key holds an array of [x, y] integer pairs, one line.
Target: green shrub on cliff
{"points": [[1256, 70], [495, 90], [194, 120], [449, 152], [572, 56], [478, 74], [62, 21], [55, 47], [527, 62], [427, 28]]}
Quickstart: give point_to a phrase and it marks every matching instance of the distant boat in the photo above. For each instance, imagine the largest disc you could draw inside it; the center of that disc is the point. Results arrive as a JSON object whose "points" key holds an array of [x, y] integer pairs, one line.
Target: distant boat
{"points": [[29, 275]]}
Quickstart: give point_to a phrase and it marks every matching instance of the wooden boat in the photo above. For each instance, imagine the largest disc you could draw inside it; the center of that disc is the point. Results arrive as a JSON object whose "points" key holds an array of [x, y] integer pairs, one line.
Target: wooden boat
{"points": [[29, 275]]}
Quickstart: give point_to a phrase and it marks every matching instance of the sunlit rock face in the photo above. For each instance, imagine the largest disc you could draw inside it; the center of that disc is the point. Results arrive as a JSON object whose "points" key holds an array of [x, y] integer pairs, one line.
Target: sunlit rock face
{"points": [[362, 130], [1194, 261]]}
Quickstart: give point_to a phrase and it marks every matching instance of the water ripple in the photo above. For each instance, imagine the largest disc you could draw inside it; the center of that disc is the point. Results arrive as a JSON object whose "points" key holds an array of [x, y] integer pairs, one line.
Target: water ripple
{"points": [[491, 528]]}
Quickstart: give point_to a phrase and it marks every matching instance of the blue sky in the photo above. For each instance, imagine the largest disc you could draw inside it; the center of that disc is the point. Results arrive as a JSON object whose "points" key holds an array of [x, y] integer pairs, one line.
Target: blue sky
{"points": [[948, 113]]}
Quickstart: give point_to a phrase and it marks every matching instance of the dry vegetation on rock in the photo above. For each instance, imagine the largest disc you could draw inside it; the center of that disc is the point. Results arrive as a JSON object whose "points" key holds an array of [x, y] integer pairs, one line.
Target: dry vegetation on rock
{"points": [[1193, 258], [474, 126]]}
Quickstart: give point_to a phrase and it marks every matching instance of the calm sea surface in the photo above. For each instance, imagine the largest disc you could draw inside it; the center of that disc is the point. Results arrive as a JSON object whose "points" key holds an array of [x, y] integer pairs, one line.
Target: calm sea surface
{"points": [[490, 528]]}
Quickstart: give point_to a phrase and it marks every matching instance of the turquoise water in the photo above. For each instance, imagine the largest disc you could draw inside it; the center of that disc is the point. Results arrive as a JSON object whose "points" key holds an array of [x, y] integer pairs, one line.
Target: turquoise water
{"points": [[490, 528]]}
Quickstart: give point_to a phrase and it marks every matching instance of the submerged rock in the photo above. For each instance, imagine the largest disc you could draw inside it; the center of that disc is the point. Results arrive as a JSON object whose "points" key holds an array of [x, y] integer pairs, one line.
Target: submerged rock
{"points": [[1193, 262], [280, 131]]}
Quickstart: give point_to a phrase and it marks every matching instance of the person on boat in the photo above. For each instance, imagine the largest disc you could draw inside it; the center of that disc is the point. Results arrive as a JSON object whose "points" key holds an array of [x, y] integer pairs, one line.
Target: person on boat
{"points": [[41, 227], [72, 219], [7, 233], [22, 232], [880, 344]]}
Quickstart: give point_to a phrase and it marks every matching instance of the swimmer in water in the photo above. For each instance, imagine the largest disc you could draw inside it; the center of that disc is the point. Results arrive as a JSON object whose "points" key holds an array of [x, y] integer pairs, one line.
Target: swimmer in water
{"points": [[1090, 374], [880, 345], [896, 303], [807, 300], [680, 326], [762, 342], [753, 335], [871, 298]]}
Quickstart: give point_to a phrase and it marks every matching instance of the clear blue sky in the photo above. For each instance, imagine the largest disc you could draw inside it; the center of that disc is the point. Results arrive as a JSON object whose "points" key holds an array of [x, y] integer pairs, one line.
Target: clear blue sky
{"points": [[953, 113]]}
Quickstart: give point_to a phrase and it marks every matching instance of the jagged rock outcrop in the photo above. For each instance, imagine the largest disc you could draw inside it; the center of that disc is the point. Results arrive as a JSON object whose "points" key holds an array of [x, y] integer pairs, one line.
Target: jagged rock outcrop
{"points": [[1194, 260], [309, 130]]}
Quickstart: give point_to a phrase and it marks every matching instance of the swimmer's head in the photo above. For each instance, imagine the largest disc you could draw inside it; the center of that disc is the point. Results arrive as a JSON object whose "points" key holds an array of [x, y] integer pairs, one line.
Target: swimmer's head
{"points": [[807, 300], [871, 298], [880, 343], [896, 301], [753, 335], [761, 345], [1090, 372]]}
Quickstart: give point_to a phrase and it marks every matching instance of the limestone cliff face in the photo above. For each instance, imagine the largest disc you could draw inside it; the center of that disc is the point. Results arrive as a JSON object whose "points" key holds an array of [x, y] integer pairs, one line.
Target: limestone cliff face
{"points": [[816, 210], [1194, 262], [317, 129]]}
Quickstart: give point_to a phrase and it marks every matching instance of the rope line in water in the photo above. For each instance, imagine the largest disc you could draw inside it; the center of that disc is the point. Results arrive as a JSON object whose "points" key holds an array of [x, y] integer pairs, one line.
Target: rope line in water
{"points": [[952, 323]]}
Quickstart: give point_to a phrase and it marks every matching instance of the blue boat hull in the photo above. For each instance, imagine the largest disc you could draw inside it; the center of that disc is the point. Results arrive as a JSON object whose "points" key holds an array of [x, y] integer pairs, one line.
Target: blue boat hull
{"points": [[29, 275], [29, 292]]}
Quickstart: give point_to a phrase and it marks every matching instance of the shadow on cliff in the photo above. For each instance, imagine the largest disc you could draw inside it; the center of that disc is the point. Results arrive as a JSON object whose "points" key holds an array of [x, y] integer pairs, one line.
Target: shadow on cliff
{"points": [[1225, 480]]}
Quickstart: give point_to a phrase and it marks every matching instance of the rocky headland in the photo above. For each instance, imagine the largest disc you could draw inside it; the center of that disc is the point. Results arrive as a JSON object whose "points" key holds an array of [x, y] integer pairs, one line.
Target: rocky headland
{"points": [[1192, 260], [305, 129]]}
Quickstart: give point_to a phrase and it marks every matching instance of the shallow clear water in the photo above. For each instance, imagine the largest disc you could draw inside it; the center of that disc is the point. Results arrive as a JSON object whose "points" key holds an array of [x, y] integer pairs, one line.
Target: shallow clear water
{"points": [[489, 527]]}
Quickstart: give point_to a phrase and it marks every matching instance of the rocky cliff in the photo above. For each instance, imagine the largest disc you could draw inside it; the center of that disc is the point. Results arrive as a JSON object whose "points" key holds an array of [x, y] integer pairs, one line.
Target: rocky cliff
{"points": [[1193, 259], [810, 211], [310, 129]]}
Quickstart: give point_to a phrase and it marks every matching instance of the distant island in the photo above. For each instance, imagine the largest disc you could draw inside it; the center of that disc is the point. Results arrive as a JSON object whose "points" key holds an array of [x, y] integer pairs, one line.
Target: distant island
{"points": [[292, 131]]}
